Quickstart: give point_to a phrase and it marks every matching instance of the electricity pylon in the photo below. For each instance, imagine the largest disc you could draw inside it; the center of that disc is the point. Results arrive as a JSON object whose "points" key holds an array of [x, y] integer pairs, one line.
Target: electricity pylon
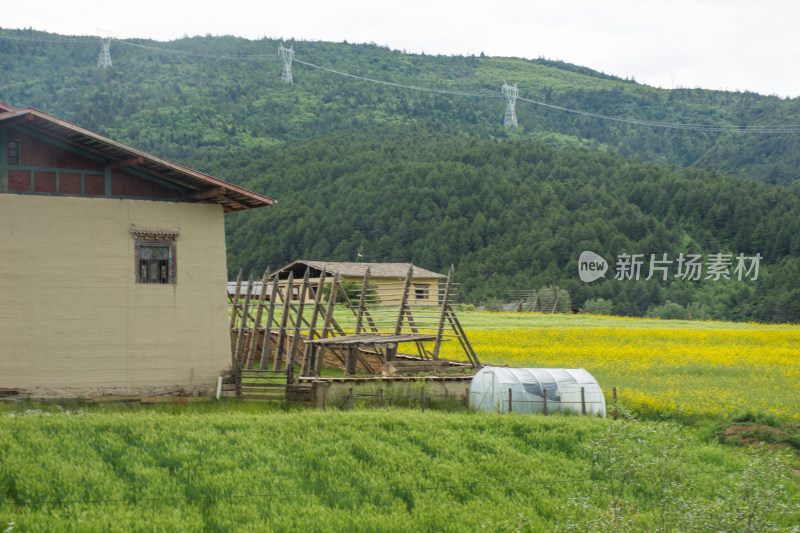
{"points": [[511, 97], [104, 61], [287, 54]]}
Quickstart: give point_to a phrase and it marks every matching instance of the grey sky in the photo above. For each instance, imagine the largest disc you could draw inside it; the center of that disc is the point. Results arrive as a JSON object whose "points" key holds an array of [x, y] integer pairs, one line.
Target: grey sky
{"points": [[712, 44]]}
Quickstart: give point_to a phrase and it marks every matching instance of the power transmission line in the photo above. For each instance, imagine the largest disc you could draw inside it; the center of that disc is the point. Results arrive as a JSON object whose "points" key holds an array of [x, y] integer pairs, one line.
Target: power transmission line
{"points": [[250, 57], [510, 118], [789, 128], [400, 85]]}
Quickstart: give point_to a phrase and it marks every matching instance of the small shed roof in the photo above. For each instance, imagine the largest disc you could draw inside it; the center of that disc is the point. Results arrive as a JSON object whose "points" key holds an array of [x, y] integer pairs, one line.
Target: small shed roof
{"points": [[353, 269], [206, 188]]}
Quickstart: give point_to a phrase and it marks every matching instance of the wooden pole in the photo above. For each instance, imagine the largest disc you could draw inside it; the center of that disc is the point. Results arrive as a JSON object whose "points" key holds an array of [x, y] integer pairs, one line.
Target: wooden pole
{"points": [[268, 327], [583, 401], [310, 350], [280, 348], [325, 396], [544, 401], [259, 311], [443, 314], [235, 309], [352, 357], [383, 399], [362, 301], [509, 400], [462, 337], [391, 352], [297, 324], [422, 398], [327, 323], [350, 399], [398, 327], [555, 298], [243, 324]]}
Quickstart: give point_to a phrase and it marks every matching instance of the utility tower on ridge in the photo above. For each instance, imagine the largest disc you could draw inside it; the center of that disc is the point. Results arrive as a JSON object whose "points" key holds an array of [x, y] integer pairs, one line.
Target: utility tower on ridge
{"points": [[511, 98], [104, 61], [287, 55]]}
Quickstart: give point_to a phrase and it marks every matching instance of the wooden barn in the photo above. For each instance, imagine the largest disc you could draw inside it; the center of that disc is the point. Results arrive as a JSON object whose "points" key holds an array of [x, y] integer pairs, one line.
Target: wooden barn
{"points": [[112, 262]]}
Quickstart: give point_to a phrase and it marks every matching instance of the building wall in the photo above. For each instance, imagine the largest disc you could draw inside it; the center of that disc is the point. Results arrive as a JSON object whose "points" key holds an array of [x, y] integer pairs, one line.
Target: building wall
{"points": [[72, 314], [423, 291]]}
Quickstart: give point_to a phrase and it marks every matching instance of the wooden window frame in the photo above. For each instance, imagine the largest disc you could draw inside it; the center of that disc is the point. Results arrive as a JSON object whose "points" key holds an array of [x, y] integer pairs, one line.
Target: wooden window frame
{"points": [[421, 292], [15, 159], [165, 269]]}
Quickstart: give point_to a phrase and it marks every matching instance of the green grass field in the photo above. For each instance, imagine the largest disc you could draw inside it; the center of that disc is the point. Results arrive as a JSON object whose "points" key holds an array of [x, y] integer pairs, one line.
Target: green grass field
{"points": [[232, 466]]}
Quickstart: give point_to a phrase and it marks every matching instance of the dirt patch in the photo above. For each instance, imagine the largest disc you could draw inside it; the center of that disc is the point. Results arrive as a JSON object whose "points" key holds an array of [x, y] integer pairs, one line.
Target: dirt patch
{"points": [[754, 435]]}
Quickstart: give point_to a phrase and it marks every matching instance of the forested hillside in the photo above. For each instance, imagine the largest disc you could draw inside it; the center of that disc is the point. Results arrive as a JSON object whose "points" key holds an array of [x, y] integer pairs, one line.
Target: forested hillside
{"points": [[406, 157], [518, 214]]}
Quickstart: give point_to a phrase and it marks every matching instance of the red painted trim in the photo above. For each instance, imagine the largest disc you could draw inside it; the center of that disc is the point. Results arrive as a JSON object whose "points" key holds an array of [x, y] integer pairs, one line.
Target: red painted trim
{"points": [[232, 191]]}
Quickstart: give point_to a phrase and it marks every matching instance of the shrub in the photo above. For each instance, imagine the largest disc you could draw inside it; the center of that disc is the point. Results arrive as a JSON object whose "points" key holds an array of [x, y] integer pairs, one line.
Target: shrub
{"points": [[668, 311], [597, 306]]}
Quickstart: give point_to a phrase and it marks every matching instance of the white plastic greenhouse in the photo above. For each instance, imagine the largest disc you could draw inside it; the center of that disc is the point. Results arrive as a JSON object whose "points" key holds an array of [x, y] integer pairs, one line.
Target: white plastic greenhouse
{"points": [[565, 390]]}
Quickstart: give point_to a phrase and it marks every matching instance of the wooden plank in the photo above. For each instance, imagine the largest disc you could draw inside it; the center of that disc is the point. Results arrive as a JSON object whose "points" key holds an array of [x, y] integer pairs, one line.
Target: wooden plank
{"points": [[175, 399], [270, 317], [327, 323], [373, 339], [404, 299], [264, 397], [362, 301], [243, 325], [298, 323], [451, 316], [257, 322], [309, 351], [443, 314], [236, 299], [350, 365], [280, 348]]}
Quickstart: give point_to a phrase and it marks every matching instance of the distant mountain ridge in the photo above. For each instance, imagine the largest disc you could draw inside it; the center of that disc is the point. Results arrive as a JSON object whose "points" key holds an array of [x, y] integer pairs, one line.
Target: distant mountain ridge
{"points": [[406, 157], [225, 93]]}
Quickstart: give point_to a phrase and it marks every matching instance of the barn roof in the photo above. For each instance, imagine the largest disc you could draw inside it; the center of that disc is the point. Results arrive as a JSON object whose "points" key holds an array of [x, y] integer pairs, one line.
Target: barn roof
{"points": [[345, 268], [204, 187]]}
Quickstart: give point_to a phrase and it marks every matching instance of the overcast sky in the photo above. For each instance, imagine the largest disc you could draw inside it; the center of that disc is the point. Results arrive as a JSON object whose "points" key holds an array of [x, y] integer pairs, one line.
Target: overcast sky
{"points": [[732, 45]]}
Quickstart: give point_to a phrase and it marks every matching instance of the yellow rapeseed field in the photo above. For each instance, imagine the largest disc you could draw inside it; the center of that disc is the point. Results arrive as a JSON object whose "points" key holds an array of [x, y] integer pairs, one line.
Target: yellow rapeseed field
{"points": [[690, 368]]}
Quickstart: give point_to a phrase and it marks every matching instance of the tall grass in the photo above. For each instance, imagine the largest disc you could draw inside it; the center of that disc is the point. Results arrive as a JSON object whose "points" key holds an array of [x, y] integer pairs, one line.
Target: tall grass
{"points": [[231, 466], [387, 470]]}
